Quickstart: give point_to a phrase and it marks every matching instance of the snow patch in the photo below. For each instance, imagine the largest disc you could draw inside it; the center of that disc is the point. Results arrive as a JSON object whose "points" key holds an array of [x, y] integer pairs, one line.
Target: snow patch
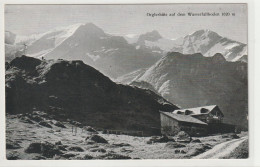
{"points": [[165, 88], [93, 57], [231, 46]]}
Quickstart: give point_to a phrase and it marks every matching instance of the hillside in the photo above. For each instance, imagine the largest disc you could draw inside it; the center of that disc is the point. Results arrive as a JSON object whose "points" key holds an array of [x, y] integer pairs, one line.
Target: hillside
{"points": [[194, 80], [72, 89], [28, 139]]}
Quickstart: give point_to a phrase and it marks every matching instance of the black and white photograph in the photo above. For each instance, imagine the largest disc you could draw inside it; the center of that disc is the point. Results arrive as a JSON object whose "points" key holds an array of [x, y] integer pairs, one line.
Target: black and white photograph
{"points": [[126, 81]]}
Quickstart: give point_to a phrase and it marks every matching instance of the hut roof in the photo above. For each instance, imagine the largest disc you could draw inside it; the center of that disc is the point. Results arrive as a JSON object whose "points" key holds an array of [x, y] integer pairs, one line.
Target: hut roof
{"points": [[197, 110], [183, 118]]}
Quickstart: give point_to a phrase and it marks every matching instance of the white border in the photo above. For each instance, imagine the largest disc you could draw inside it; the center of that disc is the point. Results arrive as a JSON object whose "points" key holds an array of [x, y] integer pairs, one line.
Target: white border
{"points": [[254, 91]]}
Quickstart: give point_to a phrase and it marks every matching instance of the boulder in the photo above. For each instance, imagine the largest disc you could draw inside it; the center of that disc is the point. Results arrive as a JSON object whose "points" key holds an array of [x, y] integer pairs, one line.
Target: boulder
{"points": [[183, 152], [13, 155], [37, 157], [36, 118], [177, 151], [113, 156], [68, 155], [43, 123], [230, 135], [159, 139], [196, 141], [49, 150], [198, 149], [46, 149], [183, 137], [26, 120], [58, 143], [76, 149], [87, 157], [33, 148], [126, 150], [101, 150], [50, 131], [234, 136], [121, 144], [97, 139], [62, 147]]}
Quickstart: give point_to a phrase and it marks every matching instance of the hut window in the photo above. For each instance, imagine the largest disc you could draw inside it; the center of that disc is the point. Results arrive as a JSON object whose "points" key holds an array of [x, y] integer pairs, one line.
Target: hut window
{"points": [[188, 112], [179, 112], [203, 110]]}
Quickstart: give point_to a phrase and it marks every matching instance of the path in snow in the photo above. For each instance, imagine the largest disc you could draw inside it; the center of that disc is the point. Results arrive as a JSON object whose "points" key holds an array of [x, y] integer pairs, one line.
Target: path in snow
{"points": [[221, 150]]}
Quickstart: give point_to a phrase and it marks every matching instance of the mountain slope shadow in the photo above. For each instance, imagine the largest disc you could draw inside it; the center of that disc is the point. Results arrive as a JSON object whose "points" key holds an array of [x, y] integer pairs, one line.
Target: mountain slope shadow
{"points": [[74, 90]]}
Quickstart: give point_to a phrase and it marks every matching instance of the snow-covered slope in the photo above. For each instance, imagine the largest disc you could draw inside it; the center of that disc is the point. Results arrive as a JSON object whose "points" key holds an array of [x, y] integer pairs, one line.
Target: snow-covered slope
{"points": [[154, 41], [205, 41], [41, 44], [9, 37], [209, 43], [130, 77], [131, 38], [110, 54]]}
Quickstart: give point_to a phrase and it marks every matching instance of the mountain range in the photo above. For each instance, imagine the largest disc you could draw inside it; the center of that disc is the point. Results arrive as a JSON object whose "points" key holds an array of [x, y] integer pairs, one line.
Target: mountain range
{"points": [[206, 42], [202, 68], [192, 80], [112, 55], [118, 55]]}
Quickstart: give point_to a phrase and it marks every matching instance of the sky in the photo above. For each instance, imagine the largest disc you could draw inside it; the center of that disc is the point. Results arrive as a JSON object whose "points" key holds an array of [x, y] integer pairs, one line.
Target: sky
{"points": [[130, 19]]}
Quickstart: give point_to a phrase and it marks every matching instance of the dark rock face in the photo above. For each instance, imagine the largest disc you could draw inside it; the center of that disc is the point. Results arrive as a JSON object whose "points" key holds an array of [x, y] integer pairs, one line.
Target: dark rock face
{"points": [[71, 89]]}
